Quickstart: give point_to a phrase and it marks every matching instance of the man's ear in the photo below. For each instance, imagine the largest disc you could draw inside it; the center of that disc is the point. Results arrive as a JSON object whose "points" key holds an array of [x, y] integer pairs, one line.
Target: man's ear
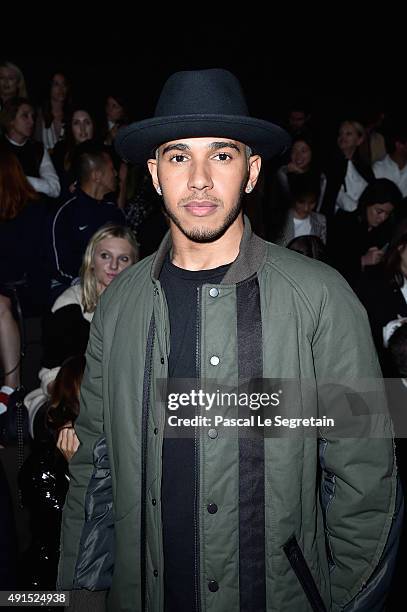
{"points": [[153, 169], [254, 171]]}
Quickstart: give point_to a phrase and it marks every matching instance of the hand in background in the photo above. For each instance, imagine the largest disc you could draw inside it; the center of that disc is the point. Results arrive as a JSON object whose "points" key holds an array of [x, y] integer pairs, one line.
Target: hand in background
{"points": [[68, 442], [373, 256]]}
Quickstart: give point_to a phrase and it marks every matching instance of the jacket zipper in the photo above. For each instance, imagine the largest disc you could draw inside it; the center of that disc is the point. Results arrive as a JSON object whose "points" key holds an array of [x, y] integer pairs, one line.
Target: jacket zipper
{"points": [[303, 573], [197, 463]]}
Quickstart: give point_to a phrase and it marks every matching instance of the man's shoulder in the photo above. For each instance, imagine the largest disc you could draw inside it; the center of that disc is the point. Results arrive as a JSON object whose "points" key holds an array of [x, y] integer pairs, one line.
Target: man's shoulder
{"points": [[305, 273], [66, 203], [317, 287]]}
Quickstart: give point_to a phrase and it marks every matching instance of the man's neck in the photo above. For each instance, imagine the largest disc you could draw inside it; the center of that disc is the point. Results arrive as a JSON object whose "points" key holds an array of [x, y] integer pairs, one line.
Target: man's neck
{"points": [[195, 256], [93, 191], [398, 159]]}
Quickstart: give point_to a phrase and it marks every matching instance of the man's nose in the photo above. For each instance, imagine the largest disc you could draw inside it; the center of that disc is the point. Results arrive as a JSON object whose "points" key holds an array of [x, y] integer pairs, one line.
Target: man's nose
{"points": [[200, 176]]}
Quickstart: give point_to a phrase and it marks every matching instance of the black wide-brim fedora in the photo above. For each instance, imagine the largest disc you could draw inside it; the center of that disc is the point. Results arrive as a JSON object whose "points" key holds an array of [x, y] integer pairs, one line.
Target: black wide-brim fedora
{"points": [[200, 103]]}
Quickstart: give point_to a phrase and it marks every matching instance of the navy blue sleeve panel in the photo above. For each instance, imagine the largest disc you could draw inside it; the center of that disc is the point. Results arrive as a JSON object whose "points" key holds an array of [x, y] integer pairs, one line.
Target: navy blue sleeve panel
{"points": [[373, 597]]}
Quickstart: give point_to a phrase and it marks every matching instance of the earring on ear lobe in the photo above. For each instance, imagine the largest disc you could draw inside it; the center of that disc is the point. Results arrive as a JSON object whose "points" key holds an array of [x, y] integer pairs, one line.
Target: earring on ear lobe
{"points": [[159, 191], [249, 188]]}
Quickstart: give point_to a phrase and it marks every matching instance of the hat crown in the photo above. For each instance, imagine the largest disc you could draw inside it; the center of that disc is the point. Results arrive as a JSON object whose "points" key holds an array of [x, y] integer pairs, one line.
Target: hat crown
{"points": [[202, 92]]}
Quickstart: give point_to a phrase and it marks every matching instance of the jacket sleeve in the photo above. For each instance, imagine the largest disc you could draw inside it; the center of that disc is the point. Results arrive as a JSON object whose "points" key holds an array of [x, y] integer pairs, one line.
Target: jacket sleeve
{"points": [[89, 499], [358, 488]]}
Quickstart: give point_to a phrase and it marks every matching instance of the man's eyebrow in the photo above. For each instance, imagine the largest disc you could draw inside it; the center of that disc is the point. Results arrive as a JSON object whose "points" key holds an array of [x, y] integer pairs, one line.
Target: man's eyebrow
{"points": [[179, 146], [224, 145], [214, 146]]}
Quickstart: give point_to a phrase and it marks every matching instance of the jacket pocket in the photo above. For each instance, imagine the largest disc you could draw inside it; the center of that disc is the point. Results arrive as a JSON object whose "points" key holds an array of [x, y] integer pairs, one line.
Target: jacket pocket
{"points": [[303, 573]]}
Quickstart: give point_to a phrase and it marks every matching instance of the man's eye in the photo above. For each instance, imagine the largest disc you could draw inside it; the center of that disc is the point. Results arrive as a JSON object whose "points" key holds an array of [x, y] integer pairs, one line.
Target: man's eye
{"points": [[223, 156], [178, 158]]}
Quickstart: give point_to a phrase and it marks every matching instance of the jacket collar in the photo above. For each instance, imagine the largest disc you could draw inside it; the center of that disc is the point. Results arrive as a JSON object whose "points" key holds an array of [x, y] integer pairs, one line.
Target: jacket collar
{"points": [[252, 252]]}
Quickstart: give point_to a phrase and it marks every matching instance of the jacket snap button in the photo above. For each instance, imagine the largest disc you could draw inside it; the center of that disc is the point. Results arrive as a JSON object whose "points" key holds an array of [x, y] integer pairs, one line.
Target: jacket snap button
{"points": [[155, 573], [215, 360], [154, 502], [213, 292], [212, 433], [213, 586], [155, 431], [212, 508], [162, 359]]}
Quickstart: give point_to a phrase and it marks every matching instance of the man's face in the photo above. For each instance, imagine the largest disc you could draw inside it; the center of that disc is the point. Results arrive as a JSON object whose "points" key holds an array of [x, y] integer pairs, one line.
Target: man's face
{"points": [[202, 181]]}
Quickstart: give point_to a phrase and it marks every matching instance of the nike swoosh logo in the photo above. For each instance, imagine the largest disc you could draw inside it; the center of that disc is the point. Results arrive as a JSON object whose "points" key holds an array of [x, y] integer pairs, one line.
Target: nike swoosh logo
{"points": [[82, 227]]}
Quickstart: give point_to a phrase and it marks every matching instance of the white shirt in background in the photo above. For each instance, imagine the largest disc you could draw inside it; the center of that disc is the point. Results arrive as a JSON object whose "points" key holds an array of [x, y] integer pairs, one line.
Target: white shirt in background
{"points": [[302, 227], [348, 195], [387, 168]]}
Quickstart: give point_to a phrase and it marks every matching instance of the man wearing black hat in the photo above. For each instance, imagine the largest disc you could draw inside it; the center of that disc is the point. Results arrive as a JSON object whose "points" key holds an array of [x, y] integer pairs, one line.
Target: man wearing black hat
{"points": [[220, 519]]}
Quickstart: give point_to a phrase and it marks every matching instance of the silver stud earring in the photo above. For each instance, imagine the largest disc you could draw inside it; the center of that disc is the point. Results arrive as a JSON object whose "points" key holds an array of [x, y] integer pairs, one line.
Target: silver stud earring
{"points": [[249, 188], [159, 191]]}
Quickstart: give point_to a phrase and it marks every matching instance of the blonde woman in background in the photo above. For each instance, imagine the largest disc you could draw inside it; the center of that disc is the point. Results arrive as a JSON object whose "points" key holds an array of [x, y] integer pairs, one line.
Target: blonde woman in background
{"points": [[346, 172], [111, 250], [12, 82]]}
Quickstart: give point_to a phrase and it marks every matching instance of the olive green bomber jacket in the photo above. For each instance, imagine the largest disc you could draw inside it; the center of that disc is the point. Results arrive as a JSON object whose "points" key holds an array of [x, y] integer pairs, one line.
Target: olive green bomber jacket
{"points": [[302, 523]]}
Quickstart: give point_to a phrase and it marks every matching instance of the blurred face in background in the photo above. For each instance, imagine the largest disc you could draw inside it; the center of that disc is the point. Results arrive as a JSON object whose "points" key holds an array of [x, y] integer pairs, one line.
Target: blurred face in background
{"points": [[304, 207], [82, 126], [376, 214], [297, 120], [8, 83], [112, 256], [108, 175], [403, 259], [22, 125], [59, 88], [114, 110], [349, 138], [301, 154]]}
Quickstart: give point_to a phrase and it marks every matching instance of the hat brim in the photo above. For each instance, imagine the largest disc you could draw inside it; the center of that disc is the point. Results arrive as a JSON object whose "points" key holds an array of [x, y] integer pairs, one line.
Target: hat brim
{"points": [[137, 141]]}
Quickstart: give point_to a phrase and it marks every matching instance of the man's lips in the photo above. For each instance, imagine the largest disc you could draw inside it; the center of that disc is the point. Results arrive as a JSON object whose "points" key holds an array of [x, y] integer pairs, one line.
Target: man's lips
{"points": [[201, 208]]}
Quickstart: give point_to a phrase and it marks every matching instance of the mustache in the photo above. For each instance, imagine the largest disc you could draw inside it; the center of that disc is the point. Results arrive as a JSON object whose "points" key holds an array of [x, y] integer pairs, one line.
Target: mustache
{"points": [[201, 198]]}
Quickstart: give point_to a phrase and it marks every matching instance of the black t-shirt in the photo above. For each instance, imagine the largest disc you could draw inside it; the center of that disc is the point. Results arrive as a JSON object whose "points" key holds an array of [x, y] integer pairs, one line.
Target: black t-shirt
{"points": [[180, 463]]}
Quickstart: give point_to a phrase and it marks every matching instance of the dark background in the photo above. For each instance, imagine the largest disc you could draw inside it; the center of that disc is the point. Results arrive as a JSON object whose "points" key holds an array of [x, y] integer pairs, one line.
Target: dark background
{"points": [[341, 65]]}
